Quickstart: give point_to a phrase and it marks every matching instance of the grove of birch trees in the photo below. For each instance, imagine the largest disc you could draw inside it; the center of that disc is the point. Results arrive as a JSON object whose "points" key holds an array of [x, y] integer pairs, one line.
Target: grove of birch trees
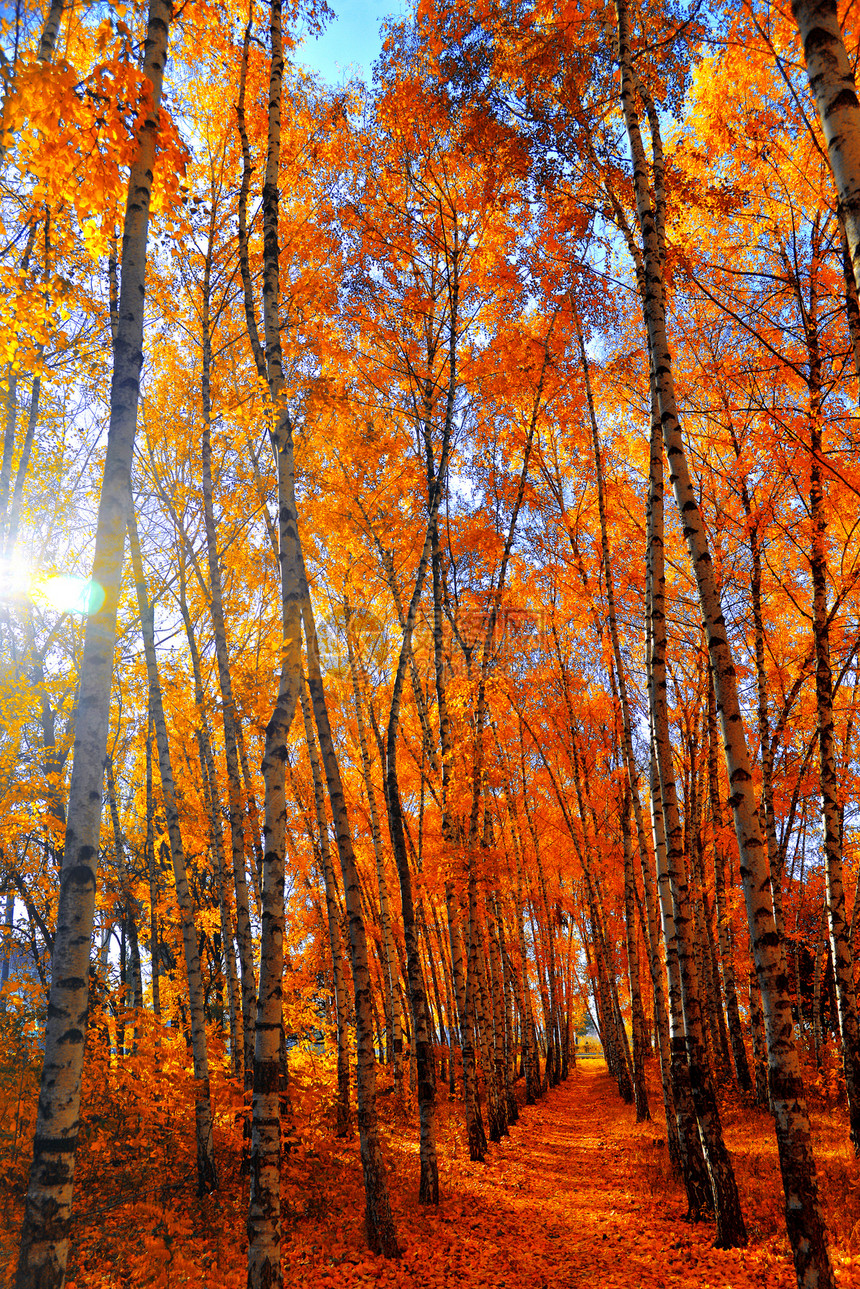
{"points": [[430, 596]]}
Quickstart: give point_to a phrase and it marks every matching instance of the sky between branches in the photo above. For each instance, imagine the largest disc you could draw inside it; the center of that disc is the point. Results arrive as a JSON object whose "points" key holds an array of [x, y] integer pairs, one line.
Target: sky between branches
{"points": [[351, 42]]}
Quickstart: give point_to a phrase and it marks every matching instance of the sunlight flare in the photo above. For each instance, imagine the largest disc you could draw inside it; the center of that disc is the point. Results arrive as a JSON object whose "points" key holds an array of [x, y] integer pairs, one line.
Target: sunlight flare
{"points": [[67, 593]]}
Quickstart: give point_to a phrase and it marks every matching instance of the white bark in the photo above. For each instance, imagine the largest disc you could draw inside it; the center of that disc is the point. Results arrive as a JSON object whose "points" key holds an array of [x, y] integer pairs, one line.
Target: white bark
{"points": [[804, 1219], [831, 80], [45, 1232]]}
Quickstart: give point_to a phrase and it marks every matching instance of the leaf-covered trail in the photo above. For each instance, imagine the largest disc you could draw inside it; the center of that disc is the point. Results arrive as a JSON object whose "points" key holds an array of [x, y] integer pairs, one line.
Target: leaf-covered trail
{"points": [[576, 1195]]}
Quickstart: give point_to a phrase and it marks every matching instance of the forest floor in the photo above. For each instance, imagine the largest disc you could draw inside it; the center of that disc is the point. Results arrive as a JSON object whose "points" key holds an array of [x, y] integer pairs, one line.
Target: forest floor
{"points": [[578, 1194]]}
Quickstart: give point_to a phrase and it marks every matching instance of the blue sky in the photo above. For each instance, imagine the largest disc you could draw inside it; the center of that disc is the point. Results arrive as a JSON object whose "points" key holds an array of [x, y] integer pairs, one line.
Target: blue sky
{"points": [[351, 42]]}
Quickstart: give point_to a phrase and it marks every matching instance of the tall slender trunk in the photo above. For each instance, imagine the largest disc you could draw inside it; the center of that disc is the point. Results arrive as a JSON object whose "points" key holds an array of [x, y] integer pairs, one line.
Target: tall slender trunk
{"points": [[712, 1001], [10, 417], [45, 1230], [428, 1192], [759, 1041], [630, 765], [333, 918], [206, 1174], [210, 785], [818, 967], [543, 933], [132, 986], [496, 1103], [615, 1036], [451, 1012], [152, 874], [464, 989], [656, 909], [387, 561], [852, 304], [264, 1205], [496, 1123], [496, 984], [429, 964], [381, 1233], [639, 1040], [10, 422], [693, 1169], [531, 1064], [228, 708], [840, 942], [614, 1032], [428, 1188], [254, 827], [724, 925], [731, 1231], [766, 742], [389, 962], [690, 1150], [511, 993], [804, 1219], [23, 466], [831, 79], [234, 996], [135, 974]]}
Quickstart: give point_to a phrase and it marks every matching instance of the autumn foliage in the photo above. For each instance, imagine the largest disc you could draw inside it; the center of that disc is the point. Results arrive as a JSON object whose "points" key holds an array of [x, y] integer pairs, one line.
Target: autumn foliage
{"points": [[429, 648]]}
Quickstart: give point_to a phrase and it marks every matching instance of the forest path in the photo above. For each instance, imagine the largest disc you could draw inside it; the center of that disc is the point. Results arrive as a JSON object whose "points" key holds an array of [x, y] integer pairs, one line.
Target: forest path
{"points": [[577, 1195]]}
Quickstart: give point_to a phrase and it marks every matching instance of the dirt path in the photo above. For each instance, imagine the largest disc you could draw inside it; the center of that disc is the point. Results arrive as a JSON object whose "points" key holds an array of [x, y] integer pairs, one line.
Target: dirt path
{"points": [[577, 1195]]}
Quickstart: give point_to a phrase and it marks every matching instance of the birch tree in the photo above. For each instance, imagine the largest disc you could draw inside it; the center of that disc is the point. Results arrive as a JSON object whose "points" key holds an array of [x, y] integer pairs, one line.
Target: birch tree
{"points": [[804, 1220], [45, 1231]]}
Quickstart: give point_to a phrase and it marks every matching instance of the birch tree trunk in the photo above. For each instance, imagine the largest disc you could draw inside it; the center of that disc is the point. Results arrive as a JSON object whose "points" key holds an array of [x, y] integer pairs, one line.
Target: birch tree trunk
{"points": [[731, 1231], [693, 1168], [500, 1026], [254, 825], [831, 79], [228, 707], [767, 742], [639, 1089], [818, 967], [464, 994], [724, 926], [804, 1218], [712, 1002], [381, 1233], [332, 912], [389, 964], [210, 784], [132, 986], [428, 1187], [45, 1230], [206, 1174], [264, 1205], [840, 944], [510, 989], [692, 1160], [152, 874], [614, 1031], [627, 737], [450, 1002], [758, 1041], [852, 303], [428, 964], [529, 1044], [428, 1192], [234, 996], [496, 1122]]}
